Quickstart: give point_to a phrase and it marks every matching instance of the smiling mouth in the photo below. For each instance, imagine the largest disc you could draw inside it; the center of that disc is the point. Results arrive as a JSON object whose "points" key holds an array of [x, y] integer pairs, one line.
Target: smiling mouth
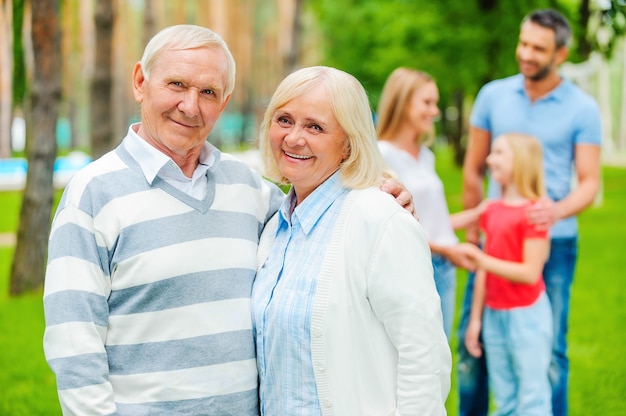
{"points": [[300, 157], [184, 123]]}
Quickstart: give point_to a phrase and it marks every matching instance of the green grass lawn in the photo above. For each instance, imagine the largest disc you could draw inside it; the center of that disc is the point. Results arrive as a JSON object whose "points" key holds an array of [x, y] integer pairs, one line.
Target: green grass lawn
{"points": [[597, 339]]}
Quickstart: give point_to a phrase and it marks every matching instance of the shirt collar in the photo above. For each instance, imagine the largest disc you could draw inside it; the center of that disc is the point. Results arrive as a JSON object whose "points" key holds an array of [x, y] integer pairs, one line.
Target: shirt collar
{"points": [[152, 160], [557, 93], [315, 205]]}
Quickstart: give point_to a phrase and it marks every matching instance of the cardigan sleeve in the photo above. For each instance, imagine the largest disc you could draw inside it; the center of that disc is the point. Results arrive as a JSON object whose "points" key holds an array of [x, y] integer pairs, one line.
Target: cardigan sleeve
{"points": [[402, 294]]}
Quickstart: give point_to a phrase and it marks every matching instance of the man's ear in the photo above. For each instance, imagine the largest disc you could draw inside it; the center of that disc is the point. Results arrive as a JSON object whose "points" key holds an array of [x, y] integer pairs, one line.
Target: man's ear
{"points": [[561, 55], [138, 82], [226, 100]]}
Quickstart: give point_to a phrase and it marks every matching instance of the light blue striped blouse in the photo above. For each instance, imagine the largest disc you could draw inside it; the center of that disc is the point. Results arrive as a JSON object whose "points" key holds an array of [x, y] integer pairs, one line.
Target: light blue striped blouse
{"points": [[282, 299]]}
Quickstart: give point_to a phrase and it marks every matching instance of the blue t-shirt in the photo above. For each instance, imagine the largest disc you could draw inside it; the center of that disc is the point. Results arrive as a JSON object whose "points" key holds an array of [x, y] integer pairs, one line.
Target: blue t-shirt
{"points": [[565, 117]]}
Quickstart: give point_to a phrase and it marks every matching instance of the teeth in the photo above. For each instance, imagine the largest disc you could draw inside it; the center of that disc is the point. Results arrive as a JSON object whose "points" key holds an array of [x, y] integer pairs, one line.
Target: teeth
{"points": [[298, 156]]}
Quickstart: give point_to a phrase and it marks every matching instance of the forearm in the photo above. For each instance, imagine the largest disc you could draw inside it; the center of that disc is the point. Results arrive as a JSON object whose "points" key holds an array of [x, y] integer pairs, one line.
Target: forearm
{"points": [[468, 217], [517, 272], [471, 197], [438, 249], [578, 200], [478, 297], [474, 167], [587, 163]]}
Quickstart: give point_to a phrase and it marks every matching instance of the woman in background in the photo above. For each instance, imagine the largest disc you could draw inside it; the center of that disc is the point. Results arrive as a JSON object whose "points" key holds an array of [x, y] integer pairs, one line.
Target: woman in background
{"points": [[406, 113]]}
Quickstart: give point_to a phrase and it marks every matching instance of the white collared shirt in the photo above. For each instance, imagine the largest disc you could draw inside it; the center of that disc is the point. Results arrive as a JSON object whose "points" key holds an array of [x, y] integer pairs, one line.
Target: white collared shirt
{"points": [[155, 163]]}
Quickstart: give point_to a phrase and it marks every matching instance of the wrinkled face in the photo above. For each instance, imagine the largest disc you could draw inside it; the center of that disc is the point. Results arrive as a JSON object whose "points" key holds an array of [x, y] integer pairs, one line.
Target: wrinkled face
{"points": [[307, 141], [536, 51], [423, 110], [500, 161], [182, 99]]}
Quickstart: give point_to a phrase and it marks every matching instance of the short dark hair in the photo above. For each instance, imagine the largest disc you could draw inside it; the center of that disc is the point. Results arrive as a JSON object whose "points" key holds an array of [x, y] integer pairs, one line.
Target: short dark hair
{"points": [[551, 19]]}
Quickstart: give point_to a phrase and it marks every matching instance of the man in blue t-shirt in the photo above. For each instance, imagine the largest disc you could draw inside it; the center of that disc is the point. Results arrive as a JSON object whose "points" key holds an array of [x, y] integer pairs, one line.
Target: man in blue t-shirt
{"points": [[540, 102]]}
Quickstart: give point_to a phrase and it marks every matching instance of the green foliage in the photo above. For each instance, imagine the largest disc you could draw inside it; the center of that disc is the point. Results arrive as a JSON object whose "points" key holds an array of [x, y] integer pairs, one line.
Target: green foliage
{"points": [[462, 44], [607, 26]]}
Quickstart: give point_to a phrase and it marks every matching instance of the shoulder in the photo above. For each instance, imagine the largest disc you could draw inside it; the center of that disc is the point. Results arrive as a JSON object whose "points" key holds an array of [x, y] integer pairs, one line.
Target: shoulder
{"points": [[501, 85], [233, 164], [230, 169], [573, 95], [372, 195], [427, 155], [386, 149], [108, 164], [384, 145], [373, 222], [372, 206]]}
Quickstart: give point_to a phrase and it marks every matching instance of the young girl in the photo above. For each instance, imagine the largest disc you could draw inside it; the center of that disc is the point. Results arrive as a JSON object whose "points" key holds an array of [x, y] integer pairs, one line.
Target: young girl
{"points": [[510, 304]]}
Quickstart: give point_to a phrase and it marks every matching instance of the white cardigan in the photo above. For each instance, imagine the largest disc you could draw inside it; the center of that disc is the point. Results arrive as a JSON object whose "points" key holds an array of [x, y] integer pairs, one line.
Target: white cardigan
{"points": [[377, 339]]}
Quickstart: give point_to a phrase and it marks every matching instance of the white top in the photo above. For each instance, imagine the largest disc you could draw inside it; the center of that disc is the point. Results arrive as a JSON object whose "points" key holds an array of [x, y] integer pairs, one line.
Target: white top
{"points": [[421, 179], [377, 341], [153, 162]]}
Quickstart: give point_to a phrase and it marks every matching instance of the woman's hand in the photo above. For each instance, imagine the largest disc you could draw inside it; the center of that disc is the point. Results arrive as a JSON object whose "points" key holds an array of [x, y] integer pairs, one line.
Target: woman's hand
{"points": [[473, 253]]}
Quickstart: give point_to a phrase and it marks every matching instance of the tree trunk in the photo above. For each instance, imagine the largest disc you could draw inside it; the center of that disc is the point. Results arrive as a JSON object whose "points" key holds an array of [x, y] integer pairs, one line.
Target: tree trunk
{"points": [[29, 261], [101, 86], [6, 71]]}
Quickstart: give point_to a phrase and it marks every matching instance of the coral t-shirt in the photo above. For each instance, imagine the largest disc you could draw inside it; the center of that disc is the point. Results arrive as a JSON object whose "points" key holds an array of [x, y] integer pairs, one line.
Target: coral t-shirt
{"points": [[506, 228]]}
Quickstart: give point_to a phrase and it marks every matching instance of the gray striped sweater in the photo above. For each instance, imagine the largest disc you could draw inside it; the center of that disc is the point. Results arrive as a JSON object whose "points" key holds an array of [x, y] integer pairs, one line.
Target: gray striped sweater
{"points": [[147, 291]]}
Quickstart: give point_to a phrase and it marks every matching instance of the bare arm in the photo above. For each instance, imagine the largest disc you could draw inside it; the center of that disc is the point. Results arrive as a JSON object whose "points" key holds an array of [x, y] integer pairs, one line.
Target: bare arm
{"points": [[472, 335], [527, 271], [455, 255], [587, 161], [468, 217], [474, 167]]}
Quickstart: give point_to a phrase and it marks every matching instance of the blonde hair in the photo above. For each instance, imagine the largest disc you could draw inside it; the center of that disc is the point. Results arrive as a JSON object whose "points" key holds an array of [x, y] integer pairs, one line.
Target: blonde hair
{"points": [[528, 172], [181, 37], [348, 101], [394, 100]]}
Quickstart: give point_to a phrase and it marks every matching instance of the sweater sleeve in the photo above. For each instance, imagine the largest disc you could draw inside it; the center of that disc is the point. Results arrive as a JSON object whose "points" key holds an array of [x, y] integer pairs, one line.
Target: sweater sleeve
{"points": [[403, 296], [77, 286]]}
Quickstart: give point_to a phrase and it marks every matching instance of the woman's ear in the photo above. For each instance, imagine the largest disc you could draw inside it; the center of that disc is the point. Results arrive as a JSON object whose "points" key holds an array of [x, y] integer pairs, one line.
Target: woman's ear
{"points": [[346, 150]]}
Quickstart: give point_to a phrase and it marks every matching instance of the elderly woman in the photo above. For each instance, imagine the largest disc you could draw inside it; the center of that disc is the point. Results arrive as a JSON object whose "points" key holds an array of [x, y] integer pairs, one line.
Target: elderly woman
{"points": [[346, 315]]}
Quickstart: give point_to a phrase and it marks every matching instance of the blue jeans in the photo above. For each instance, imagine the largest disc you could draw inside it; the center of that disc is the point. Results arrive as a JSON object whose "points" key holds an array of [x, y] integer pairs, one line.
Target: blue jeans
{"points": [[558, 274], [445, 280], [471, 372], [518, 343]]}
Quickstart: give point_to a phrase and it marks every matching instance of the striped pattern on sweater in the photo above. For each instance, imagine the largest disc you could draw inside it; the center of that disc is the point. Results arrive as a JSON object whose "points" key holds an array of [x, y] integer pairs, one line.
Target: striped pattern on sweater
{"points": [[147, 291]]}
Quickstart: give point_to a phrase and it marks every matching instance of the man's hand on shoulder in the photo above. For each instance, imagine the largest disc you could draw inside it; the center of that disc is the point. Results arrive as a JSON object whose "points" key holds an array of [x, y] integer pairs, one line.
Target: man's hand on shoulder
{"points": [[400, 193], [543, 213]]}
